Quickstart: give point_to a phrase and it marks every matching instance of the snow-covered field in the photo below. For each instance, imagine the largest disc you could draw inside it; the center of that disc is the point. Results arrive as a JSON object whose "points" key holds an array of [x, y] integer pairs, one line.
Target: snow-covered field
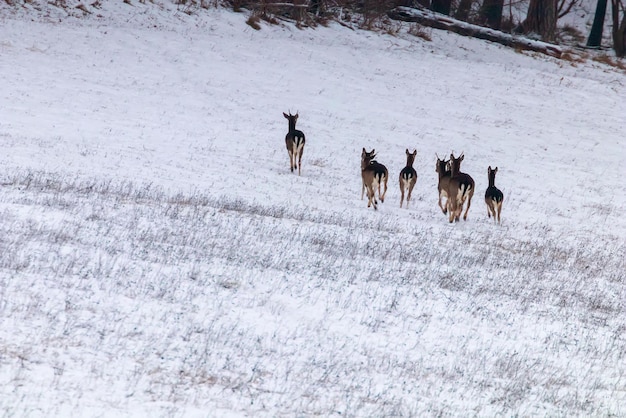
{"points": [[157, 257]]}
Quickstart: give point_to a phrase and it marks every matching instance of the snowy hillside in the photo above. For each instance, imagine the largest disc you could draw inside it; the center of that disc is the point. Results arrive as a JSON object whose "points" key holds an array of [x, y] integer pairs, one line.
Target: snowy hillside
{"points": [[158, 258]]}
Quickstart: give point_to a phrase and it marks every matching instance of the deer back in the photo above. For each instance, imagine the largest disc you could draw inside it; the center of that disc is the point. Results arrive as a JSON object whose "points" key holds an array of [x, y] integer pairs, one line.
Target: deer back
{"points": [[460, 184], [294, 138]]}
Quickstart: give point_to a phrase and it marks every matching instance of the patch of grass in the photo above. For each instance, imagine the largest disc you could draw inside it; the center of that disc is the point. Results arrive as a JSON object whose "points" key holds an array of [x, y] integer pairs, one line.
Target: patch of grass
{"points": [[610, 61], [420, 31], [253, 22], [574, 57], [571, 35]]}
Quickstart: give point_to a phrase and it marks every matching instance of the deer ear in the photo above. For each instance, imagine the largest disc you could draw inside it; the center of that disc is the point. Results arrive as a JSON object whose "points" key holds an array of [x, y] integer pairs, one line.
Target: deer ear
{"points": [[489, 169], [407, 151], [462, 157], [495, 170], [285, 115]]}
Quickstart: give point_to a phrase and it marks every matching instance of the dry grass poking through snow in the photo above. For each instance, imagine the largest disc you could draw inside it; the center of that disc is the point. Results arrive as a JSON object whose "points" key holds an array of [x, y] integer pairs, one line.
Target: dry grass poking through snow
{"points": [[175, 302]]}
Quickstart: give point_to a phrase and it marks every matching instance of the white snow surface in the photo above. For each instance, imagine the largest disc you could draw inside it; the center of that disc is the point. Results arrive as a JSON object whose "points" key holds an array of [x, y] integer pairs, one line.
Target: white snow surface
{"points": [[158, 258]]}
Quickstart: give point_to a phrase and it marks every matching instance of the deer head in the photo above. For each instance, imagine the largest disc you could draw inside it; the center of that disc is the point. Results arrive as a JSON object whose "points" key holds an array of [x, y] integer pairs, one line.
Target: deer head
{"points": [[491, 176], [367, 157], [292, 120], [455, 164], [410, 157]]}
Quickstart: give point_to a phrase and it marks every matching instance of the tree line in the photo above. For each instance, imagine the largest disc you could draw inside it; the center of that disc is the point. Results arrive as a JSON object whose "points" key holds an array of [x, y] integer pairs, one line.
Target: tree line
{"points": [[540, 21]]}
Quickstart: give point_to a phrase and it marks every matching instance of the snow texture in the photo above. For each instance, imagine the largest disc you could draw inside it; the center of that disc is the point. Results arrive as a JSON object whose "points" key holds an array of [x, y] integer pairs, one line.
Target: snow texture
{"points": [[158, 257]]}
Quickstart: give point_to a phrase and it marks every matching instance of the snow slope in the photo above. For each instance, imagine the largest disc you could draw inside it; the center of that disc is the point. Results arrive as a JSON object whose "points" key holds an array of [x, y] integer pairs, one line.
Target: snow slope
{"points": [[159, 259]]}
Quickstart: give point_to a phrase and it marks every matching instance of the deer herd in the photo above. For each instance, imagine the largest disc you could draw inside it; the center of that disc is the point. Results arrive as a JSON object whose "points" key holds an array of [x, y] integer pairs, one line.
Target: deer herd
{"points": [[455, 187]]}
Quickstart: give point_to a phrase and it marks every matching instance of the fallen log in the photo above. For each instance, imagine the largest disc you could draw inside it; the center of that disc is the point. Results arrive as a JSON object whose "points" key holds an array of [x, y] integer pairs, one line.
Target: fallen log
{"points": [[439, 21]]}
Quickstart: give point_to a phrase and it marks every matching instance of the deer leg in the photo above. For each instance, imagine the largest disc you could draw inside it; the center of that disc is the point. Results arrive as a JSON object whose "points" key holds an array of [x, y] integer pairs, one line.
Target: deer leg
{"points": [[469, 203], [371, 197], [499, 210], [409, 196], [301, 150], [382, 199], [291, 160], [444, 209], [455, 205], [402, 192], [451, 209]]}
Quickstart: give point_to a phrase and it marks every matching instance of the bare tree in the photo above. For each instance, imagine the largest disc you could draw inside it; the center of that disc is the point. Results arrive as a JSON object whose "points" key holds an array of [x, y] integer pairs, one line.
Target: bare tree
{"points": [[565, 6], [491, 13], [462, 11], [619, 28], [441, 6], [595, 36], [541, 19]]}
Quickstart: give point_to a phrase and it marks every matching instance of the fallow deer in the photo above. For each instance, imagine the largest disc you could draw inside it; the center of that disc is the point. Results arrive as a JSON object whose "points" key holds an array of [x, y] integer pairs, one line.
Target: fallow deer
{"points": [[442, 168], [408, 177], [294, 140], [493, 196], [373, 174], [460, 189]]}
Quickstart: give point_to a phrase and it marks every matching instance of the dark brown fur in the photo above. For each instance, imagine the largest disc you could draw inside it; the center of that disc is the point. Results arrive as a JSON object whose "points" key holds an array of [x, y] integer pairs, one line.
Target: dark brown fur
{"points": [[493, 196], [294, 140], [442, 169], [373, 174], [460, 190], [408, 177]]}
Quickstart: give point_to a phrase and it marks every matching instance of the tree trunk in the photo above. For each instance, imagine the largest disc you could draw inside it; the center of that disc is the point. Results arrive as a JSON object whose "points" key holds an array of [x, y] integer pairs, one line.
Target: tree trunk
{"points": [[620, 39], [462, 12], [541, 19], [595, 36], [619, 29], [491, 13], [441, 6]]}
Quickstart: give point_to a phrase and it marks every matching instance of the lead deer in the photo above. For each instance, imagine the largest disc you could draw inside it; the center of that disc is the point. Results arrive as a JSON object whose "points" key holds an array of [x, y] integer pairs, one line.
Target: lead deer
{"points": [[373, 174], [408, 177], [443, 170], [294, 140], [493, 196], [460, 190]]}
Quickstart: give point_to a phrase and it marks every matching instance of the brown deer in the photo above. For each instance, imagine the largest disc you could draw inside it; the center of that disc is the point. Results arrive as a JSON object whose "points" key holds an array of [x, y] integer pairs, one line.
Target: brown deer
{"points": [[373, 175], [493, 196], [460, 189], [294, 140], [443, 169], [408, 177]]}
